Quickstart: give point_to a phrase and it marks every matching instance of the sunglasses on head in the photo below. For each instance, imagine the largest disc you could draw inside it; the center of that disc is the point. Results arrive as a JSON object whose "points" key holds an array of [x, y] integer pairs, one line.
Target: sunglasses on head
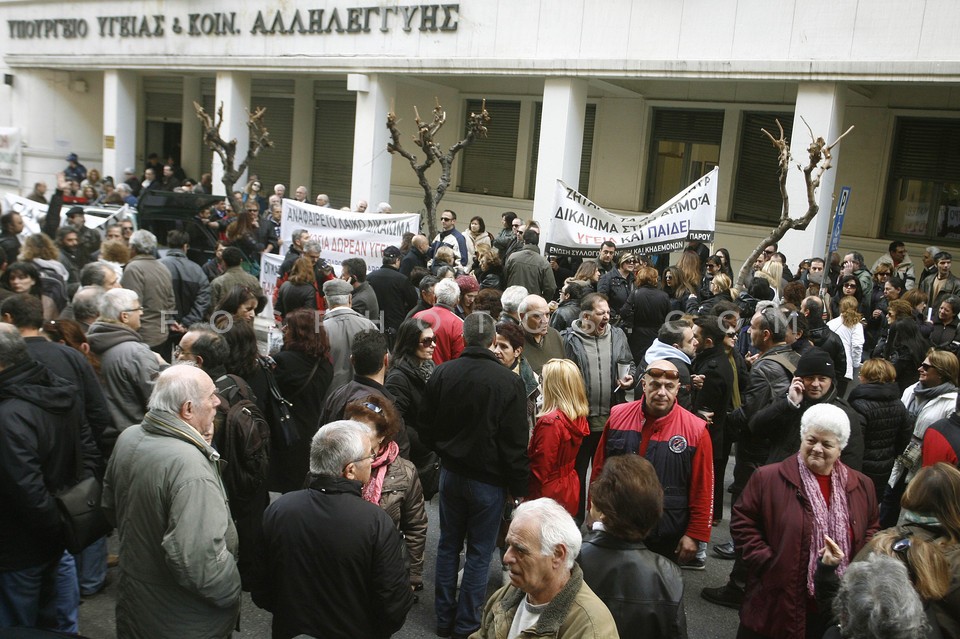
{"points": [[657, 373]]}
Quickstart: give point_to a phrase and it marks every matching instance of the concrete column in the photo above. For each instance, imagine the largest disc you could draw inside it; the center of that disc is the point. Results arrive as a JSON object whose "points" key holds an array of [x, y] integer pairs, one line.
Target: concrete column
{"points": [[119, 123], [191, 133], [822, 105], [371, 162], [233, 90], [304, 119], [561, 141]]}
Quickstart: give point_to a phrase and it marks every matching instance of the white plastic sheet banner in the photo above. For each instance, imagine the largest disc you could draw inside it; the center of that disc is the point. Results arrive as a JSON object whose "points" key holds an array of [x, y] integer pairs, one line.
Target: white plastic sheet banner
{"points": [[269, 271], [11, 165], [578, 226], [345, 234]]}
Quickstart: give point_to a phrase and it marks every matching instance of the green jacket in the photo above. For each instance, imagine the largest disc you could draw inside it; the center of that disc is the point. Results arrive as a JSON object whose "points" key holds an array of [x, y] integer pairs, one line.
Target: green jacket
{"points": [[178, 576], [575, 613]]}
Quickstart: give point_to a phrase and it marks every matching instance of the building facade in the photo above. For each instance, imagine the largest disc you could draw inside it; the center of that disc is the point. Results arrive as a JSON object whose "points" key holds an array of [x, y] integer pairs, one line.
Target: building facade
{"points": [[627, 100]]}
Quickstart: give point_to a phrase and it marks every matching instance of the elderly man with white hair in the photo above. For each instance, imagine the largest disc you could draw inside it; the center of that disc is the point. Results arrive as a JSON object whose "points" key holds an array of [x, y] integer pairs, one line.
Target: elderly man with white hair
{"points": [[357, 586], [447, 326], [511, 299], [127, 366], [151, 281], [547, 595], [162, 488]]}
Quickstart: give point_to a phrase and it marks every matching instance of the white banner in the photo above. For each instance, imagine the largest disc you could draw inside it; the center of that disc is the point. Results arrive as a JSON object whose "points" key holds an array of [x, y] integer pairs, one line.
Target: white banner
{"points": [[269, 271], [10, 156], [344, 234], [579, 226]]}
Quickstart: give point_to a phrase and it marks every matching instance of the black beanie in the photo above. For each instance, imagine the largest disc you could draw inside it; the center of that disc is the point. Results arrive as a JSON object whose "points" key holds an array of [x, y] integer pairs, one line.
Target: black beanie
{"points": [[816, 361]]}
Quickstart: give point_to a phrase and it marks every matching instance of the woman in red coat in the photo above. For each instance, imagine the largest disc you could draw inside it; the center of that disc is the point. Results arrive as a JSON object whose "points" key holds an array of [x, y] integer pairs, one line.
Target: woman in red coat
{"points": [[560, 428], [781, 520]]}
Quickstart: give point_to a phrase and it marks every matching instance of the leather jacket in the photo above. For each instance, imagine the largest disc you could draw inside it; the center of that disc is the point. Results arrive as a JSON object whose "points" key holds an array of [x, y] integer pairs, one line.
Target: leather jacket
{"points": [[643, 590]]}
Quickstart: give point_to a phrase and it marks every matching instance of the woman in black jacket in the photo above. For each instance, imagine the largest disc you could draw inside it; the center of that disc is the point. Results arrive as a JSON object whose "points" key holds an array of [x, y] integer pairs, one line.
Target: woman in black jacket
{"points": [[300, 289], [905, 349], [407, 376], [887, 425], [646, 310], [303, 374], [643, 590]]}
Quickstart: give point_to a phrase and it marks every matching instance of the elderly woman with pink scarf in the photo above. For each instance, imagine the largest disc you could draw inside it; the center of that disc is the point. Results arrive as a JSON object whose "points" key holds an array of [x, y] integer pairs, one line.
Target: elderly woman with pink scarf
{"points": [[782, 519], [394, 484]]}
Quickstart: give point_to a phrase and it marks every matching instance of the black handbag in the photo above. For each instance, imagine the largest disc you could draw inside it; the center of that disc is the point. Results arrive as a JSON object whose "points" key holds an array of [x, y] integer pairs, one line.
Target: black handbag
{"points": [[79, 505], [286, 434]]}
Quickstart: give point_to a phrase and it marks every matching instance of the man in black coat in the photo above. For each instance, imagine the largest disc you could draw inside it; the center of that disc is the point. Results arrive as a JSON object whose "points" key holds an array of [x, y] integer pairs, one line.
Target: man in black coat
{"points": [[416, 256], [822, 337], [473, 414], [814, 382], [395, 295], [38, 454], [713, 389], [370, 359], [329, 563]]}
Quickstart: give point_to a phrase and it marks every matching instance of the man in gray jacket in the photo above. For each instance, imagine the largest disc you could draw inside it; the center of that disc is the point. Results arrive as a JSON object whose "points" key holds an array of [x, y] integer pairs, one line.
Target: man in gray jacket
{"points": [[162, 489], [601, 352], [151, 281], [341, 323], [529, 269], [127, 366]]}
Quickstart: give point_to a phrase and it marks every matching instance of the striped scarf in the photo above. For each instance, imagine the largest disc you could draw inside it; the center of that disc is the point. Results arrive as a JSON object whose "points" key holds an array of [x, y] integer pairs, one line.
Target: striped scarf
{"points": [[827, 520]]}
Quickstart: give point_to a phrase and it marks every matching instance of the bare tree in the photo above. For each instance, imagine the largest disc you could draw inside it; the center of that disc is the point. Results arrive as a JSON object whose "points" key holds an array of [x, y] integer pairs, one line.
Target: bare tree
{"points": [[819, 162], [476, 126], [259, 140]]}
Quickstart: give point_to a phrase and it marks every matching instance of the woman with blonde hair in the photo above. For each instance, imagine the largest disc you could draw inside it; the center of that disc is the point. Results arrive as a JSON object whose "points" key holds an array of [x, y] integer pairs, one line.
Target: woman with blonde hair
{"points": [[886, 423], [560, 428], [850, 331], [687, 283], [773, 272]]}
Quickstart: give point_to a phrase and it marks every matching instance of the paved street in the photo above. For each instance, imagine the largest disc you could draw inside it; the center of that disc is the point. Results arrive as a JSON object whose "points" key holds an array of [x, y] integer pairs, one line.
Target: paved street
{"points": [[704, 620]]}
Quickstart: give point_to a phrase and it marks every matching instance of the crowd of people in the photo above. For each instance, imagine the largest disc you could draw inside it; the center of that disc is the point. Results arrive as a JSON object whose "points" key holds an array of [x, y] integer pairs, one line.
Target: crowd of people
{"points": [[573, 418]]}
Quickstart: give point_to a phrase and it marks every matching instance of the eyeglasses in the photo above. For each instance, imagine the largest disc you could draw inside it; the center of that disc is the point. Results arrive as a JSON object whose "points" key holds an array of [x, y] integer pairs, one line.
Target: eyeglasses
{"points": [[134, 310], [427, 342], [369, 457], [446, 219], [630, 261], [657, 373], [177, 351]]}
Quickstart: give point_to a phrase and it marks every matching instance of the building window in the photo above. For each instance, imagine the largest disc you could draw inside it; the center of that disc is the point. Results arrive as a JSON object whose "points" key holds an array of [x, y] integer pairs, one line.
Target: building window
{"points": [[684, 146], [756, 189], [923, 193], [586, 152], [488, 166]]}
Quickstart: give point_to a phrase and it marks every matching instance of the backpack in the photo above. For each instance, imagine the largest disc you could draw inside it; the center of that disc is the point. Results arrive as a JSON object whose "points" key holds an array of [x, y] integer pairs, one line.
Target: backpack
{"points": [[53, 286], [243, 439]]}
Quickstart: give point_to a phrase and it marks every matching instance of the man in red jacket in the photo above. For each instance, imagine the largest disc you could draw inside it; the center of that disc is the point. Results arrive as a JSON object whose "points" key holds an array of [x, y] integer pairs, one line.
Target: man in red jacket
{"points": [[676, 442]]}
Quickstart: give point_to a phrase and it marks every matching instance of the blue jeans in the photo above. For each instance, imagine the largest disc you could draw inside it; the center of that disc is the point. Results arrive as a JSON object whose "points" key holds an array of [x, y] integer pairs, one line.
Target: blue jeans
{"points": [[42, 596], [469, 510], [92, 567]]}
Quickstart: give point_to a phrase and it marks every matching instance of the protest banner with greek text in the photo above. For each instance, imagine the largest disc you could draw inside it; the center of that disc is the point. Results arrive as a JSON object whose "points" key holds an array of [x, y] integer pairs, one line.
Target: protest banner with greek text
{"points": [[269, 271], [579, 226], [345, 234], [10, 156]]}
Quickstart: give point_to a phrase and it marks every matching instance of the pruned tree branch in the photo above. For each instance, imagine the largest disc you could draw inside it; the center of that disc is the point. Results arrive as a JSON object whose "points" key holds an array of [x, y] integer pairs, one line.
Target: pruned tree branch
{"points": [[259, 140], [433, 152], [819, 161]]}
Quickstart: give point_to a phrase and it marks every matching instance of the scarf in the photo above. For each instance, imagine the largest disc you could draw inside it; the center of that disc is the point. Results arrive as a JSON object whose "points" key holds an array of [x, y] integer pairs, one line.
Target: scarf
{"points": [[425, 369], [827, 520], [386, 456]]}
